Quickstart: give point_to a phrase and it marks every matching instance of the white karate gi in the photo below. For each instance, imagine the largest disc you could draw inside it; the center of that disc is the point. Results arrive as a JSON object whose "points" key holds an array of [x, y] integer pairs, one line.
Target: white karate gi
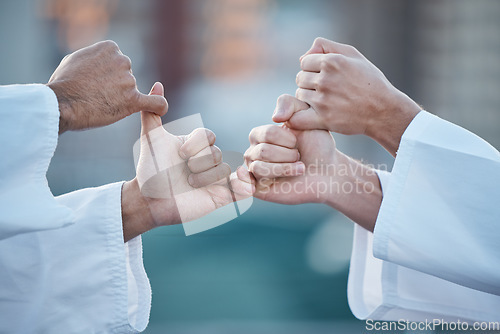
{"points": [[435, 251], [63, 265]]}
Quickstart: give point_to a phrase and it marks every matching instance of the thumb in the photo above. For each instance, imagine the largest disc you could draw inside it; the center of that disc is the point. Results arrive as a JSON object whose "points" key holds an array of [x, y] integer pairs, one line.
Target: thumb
{"points": [[154, 102], [306, 120], [317, 47], [323, 45], [286, 106], [149, 120]]}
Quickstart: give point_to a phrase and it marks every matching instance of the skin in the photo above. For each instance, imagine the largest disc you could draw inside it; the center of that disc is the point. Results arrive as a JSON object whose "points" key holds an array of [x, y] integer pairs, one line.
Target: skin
{"points": [[347, 94], [95, 87], [194, 174], [323, 174], [339, 90]]}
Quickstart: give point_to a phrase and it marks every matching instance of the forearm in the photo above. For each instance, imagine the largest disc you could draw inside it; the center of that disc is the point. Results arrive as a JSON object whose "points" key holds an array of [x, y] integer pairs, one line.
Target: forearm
{"points": [[359, 194], [394, 116]]}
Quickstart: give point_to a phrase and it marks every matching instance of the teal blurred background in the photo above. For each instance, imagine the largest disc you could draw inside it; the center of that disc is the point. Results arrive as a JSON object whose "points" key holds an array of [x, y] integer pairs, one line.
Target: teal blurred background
{"points": [[276, 269]]}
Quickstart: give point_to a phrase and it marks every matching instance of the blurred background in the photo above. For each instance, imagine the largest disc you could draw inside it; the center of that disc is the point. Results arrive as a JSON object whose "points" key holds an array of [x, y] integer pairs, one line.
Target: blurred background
{"points": [[276, 269]]}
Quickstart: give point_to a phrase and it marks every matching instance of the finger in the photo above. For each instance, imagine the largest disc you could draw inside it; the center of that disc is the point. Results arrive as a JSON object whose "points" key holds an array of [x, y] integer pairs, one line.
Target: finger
{"points": [[286, 106], [244, 174], [242, 184], [210, 176], [272, 134], [207, 158], [311, 62], [273, 153], [261, 169], [323, 45], [245, 156], [150, 121], [306, 120], [195, 142], [126, 62], [307, 80], [305, 95], [154, 102]]}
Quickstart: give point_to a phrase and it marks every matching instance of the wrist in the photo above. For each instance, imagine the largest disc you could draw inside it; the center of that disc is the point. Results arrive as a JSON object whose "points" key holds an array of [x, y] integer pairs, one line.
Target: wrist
{"points": [[391, 120], [359, 194], [339, 180], [64, 107], [136, 215]]}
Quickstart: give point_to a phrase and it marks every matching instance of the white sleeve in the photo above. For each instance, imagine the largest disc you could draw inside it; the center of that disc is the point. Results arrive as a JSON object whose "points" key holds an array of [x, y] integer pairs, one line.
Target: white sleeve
{"points": [[440, 214], [382, 290], [63, 264], [79, 279], [29, 125]]}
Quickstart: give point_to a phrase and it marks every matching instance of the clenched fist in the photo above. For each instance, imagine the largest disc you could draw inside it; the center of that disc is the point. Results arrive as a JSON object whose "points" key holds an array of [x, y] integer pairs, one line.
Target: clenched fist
{"points": [[95, 87], [349, 95], [291, 166], [305, 166]]}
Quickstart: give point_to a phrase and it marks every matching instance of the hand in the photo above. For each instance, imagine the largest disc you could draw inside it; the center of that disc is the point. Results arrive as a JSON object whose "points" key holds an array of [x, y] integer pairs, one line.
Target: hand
{"points": [[273, 159], [95, 87], [348, 94], [180, 178], [323, 174]]}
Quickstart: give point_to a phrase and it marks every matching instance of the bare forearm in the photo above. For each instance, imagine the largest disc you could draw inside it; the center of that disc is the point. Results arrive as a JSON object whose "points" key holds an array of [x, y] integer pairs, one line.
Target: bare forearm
{"points": [[360, 193]]}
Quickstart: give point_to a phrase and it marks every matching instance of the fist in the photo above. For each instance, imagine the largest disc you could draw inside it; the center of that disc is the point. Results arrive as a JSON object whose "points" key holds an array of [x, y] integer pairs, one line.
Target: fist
{"points": [[291, 166], [95, 87], [345, 91], [183, 178]]}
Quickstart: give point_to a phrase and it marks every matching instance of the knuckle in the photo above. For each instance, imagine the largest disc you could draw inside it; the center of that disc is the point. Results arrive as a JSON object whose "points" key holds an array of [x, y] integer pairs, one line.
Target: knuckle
{"points": [[302, 62], [252, 134], [256, 168], [351, 49], [262, 151], [210, 135], [216, 154], [336, 61], [130, 80], [270, 134], [329, 61], [248, 161], [323, 82], [318, 40], [124, 61], [247, 153], [283, 98], [196, 132], [297, 78], [110, 45]]}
